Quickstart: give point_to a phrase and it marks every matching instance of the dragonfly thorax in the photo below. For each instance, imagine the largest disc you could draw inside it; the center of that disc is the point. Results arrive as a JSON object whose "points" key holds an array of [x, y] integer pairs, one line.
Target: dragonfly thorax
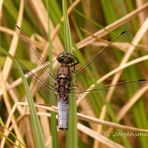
{"points": [[64, 72], [63, 81]]}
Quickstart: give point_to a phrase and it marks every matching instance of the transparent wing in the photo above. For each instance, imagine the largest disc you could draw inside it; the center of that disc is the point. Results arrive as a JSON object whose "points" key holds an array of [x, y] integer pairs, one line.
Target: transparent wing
{"points": [[37, 79], [94, 99], [25, 38], [119, 85], [98, 54]]}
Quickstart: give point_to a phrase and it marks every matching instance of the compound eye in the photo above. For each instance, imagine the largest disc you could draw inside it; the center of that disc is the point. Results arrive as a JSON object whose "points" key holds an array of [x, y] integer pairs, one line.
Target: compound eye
{"points": [[62, 58]]}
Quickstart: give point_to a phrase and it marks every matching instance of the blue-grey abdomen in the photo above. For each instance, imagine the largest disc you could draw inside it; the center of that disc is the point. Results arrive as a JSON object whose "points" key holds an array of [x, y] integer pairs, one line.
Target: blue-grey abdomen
{"points": [[63, 113]]}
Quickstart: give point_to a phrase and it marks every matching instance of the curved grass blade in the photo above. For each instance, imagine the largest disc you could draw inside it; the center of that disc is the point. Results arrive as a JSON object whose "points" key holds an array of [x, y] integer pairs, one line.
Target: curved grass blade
{"points": [[37, 131]]}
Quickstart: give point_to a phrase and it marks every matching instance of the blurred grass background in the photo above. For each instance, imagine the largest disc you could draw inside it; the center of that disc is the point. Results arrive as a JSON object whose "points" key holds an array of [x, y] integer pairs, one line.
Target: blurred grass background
{"points": [[87, 18]]}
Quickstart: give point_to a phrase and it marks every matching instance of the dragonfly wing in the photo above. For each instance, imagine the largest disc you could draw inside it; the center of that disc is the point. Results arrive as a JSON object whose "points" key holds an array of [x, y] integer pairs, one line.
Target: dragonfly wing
{"points": [[92, 103], [34, 52], [98, 89]]}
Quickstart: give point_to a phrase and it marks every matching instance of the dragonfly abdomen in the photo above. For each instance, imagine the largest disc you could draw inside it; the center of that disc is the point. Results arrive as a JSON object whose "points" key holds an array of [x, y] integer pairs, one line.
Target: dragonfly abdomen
{"points": [[63, 106]]}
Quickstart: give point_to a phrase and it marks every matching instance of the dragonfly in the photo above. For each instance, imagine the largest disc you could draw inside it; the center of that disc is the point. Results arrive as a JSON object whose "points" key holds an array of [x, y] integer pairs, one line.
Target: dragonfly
{"points": [[64, 76]]}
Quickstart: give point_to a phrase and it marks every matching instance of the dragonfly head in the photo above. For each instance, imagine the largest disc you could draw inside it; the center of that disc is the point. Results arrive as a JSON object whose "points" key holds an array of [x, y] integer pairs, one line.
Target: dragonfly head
{"points": [[65, 58]]}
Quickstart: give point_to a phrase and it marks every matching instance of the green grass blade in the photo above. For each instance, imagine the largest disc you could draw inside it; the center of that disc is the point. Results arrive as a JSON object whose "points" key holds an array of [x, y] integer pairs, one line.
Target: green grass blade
{"points": [[10, 140], [67, 33], [72, 122], [52, 98], [11, 133], [38, 135]]}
